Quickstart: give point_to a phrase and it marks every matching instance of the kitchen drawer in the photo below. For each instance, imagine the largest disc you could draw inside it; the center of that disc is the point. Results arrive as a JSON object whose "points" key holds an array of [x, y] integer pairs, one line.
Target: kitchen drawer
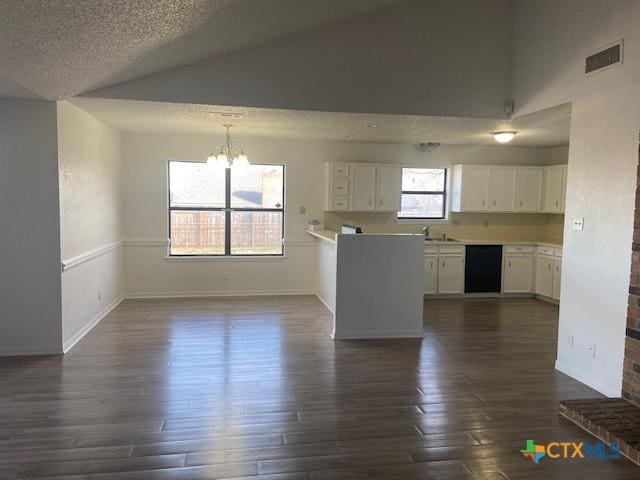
{"points": [[339, 202], [545, 250], [518, 249], [557, 252], [340, 186], [339, 170], [451, 249], [430, 250]]}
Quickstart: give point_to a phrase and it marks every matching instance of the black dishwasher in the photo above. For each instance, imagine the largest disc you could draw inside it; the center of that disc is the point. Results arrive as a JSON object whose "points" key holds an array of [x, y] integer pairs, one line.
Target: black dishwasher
{"points": [[483, 269]]}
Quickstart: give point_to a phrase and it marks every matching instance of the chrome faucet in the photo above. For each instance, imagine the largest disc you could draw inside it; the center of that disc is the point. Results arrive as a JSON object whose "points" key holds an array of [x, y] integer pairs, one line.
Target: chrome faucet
{"points": [[425, 231]]}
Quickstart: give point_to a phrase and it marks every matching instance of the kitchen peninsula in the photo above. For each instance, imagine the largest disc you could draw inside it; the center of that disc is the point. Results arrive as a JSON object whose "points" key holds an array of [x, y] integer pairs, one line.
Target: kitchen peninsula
{"points": [[372, 283]]}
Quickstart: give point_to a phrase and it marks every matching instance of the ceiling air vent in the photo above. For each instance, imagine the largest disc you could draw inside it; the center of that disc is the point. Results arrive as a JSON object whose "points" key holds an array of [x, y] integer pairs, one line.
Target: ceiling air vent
{"points": [[603, 58]]}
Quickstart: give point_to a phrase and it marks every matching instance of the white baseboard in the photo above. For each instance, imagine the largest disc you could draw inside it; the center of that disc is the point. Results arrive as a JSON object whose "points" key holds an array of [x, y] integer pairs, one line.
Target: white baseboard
{"points": [[256, 293], [325, 303], [544, 298], [69, 344], [376, 334], [604, 389]]}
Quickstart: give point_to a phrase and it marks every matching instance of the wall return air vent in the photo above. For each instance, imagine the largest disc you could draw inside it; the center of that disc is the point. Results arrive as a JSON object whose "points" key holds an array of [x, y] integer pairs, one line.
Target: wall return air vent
{"points": [[604, 58]]}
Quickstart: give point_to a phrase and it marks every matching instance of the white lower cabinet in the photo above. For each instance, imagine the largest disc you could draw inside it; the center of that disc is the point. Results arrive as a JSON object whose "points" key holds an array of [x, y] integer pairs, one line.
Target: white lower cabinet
{"points": [[430, 274], [544, 276], [525, 269], [517, 273], [451, 274], [557, 275], [444, 270], [548, 271]]}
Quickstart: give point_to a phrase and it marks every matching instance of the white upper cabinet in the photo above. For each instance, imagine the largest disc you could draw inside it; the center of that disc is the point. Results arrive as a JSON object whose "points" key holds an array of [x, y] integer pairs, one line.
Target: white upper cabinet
{"points": [[501, 189], [496, 188], [528, 189], [553, 188], [362, 187], [470, 187], [565, 169], [388, 188], [339, 170]]}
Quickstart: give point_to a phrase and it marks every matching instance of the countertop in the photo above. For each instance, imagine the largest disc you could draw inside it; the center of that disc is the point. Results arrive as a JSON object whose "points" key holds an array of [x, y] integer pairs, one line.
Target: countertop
{"points": [[326, 235], [330, 236], [496, 241]]}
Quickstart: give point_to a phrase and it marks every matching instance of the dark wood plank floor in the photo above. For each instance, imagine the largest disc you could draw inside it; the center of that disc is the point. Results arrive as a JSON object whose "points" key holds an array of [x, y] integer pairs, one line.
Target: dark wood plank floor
{"points": [[254, 388]]}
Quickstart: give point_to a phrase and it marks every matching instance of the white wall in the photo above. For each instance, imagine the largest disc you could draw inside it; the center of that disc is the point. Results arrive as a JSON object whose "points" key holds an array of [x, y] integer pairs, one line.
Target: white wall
{"points": [[30, 312], [91, 220], [425, 58], [149, 273], [145, 157], [551, 39]]}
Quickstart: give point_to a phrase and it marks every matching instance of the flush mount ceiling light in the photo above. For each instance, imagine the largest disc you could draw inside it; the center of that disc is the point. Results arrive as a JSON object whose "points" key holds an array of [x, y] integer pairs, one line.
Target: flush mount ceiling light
{"points": [[504, 136], [227, 155]]}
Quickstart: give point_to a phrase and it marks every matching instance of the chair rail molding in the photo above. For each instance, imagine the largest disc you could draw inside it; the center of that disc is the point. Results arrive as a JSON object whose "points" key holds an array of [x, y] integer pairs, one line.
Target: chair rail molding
{"points": [[85, 257]]}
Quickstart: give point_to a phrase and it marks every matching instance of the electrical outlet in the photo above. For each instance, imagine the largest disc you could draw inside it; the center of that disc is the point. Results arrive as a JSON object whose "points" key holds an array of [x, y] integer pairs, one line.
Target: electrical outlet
{"points": [[592, 350], [570, 341], [578, 224], [303, 210]]}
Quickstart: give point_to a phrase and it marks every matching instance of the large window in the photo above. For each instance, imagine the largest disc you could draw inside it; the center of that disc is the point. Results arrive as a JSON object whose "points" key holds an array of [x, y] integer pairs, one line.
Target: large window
{"points": [[233, 211], [424, 193]]}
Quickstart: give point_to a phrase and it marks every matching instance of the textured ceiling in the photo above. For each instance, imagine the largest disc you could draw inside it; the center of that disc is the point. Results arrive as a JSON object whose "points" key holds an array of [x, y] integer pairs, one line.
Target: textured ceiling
{"points": [[60, 48], [545, 128], [11, 90]]}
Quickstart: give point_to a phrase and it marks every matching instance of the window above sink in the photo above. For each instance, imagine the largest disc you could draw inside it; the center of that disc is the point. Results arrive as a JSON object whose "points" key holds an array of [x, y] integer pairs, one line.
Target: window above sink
{"points": [[424, 192]]}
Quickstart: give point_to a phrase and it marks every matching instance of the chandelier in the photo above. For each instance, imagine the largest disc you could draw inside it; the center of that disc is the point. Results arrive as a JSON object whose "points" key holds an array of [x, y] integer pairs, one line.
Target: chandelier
{"points": [[227, 155]]}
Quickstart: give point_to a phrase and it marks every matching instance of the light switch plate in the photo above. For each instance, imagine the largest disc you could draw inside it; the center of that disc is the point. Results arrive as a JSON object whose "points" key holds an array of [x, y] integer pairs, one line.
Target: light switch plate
{"points": [[578, 224]]}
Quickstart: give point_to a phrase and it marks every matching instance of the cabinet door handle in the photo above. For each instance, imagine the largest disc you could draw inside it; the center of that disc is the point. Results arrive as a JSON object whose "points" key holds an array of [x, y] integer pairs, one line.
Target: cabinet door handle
{"points": [[521, 203], [381, 202], [549, 267], [443, 264], [509, 263], [556, 203], [483, 203], [494, 203], [369, 200], [431, 265]]}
